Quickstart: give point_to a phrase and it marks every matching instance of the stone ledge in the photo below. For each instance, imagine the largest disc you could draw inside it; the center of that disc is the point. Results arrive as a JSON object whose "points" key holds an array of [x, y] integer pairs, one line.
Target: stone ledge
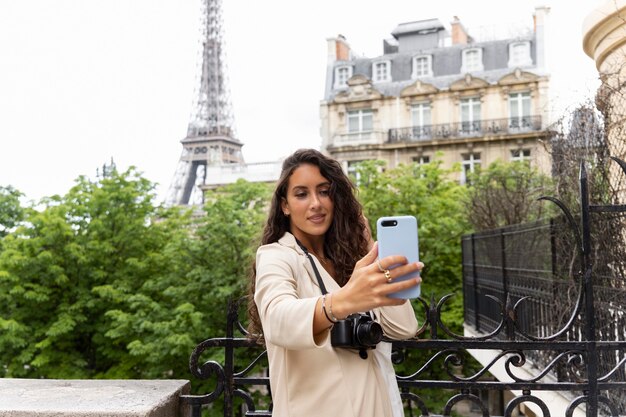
{"points": [[91, 398]]}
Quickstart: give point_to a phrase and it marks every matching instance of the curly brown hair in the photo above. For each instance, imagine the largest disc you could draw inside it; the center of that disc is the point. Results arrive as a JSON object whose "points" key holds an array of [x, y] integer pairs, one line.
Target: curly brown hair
{"points": [[345, 241]]}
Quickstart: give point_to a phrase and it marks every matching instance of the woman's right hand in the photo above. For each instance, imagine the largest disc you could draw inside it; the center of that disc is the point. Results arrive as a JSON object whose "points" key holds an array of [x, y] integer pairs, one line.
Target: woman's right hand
{"points": [[369, 288]]}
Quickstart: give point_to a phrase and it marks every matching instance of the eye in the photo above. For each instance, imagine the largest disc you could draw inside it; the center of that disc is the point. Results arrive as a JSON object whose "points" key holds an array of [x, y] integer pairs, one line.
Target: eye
{"points": [[325, 192], [300, 195]]}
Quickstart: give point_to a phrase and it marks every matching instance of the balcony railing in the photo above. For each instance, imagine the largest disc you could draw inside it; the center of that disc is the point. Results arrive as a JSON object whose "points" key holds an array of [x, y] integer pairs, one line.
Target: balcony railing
{"points": [[474, 128], [558, 281]]}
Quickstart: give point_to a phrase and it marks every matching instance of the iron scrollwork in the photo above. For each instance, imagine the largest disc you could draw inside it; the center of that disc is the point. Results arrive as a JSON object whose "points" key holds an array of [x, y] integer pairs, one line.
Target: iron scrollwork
{"points": [[528, 357]]}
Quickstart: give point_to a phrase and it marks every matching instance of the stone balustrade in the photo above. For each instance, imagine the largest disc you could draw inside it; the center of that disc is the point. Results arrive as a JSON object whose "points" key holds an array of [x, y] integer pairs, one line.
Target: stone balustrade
{"points": [[91, 398]]}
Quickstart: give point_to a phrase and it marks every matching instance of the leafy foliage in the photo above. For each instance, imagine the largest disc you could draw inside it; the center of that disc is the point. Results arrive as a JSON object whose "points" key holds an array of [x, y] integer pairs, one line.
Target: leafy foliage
{"points": [[506, 194], [187, 303], [102, 283], [11, 211], [63, 270]]}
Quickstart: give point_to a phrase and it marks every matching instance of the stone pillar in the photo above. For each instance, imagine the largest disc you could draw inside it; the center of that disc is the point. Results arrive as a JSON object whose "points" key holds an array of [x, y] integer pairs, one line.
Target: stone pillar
{"points": [[604, 37], [604, 40]]}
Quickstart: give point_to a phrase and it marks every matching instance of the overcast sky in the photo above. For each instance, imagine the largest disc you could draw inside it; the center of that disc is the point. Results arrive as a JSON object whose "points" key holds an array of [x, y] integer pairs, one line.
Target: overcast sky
{"points": [[84, 81]]}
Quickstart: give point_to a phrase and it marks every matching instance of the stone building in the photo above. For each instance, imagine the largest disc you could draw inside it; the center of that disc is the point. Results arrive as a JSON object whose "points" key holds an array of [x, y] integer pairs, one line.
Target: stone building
{"points": [[439, 94]]}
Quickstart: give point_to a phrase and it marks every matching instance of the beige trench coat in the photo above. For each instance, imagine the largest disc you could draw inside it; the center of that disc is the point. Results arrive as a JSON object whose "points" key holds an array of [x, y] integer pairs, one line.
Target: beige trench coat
{"points": [[309, 379]]}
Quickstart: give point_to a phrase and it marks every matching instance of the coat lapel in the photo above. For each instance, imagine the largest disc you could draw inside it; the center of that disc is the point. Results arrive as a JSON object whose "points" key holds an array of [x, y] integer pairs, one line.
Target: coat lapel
{"points": [[289, 240]]}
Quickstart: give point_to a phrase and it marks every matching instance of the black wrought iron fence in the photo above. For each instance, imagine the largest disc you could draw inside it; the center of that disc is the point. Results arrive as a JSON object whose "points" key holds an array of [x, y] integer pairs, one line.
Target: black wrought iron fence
{"points": [[545, 311]]}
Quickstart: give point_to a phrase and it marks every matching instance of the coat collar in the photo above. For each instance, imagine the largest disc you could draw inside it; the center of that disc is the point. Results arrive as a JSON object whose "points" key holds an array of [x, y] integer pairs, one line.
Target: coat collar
{"points": [[289, 240]]}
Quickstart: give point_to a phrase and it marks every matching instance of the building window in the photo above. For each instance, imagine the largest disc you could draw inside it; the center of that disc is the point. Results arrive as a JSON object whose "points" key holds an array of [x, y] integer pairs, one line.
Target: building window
{"points": [[421, 160], [519, 54], [472, 60], [471, 163], [381, 71], [520, 155], [353, 172], [422, 66], [519, 111], [360, 121], [470, 116], [342, 74], [420, 116]]}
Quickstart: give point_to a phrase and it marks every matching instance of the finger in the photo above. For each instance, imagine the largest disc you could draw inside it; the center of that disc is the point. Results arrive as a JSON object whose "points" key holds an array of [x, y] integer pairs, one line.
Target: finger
{"points": [[393, 261], [369, 258], [387, 275], [396, 286], [401, 270], [390, 275]]}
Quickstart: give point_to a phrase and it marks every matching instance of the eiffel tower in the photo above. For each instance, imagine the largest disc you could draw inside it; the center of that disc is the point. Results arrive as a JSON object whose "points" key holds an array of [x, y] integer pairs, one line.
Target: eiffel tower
{"points": [[210, 136]]}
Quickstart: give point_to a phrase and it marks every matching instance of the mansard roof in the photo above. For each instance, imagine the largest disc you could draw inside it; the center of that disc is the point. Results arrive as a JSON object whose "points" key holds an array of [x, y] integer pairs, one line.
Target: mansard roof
{"points": [[446, 65]]}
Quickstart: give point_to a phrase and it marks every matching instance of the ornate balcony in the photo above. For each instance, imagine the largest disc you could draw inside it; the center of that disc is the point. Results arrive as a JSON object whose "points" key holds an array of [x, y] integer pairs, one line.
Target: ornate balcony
{"points": [[509, 126]]}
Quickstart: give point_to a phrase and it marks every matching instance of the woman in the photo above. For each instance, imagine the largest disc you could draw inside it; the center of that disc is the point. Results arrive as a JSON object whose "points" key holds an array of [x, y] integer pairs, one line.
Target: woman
{"points": [[316, 228]]}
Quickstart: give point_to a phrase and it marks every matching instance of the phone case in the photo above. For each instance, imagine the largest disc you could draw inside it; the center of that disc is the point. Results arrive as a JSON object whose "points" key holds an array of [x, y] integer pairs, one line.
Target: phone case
{"points": [[397, 235]]}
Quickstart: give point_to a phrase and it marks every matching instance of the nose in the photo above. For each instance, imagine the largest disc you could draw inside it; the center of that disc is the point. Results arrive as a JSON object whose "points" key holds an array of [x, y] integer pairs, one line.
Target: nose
{"points": [[315, 200]]}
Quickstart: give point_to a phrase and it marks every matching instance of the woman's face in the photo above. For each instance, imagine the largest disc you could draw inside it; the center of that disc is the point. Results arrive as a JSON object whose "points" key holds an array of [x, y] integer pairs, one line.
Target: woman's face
{"points": [[308, 202]]}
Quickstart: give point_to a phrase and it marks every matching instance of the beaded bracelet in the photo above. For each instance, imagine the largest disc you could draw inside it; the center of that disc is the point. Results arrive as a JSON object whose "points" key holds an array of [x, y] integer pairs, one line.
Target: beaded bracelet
{"points": [[331, 317]]}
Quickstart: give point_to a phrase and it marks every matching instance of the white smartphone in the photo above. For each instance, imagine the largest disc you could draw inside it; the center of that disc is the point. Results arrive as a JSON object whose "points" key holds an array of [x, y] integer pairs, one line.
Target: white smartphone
{"points": [[397, 235]]}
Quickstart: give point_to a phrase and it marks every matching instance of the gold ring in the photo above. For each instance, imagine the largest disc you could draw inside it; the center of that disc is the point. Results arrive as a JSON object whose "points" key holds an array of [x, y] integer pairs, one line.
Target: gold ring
{"points": [[387, 275], [380, 267]]}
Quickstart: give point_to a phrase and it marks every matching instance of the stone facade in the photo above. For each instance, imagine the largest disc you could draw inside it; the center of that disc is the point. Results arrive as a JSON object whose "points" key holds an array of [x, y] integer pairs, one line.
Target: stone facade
{"points": [[432, 96]]}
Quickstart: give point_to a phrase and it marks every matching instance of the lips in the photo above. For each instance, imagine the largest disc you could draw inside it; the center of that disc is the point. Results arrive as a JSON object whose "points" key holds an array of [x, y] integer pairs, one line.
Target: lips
{"points": [[317, 219]]}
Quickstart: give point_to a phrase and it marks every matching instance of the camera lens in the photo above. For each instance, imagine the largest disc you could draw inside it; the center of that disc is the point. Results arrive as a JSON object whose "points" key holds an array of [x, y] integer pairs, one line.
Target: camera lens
{"points": [[369, 333]]}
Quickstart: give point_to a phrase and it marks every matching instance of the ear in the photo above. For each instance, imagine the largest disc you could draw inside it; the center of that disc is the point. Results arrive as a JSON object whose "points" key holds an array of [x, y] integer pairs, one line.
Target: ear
{"points": [[284, 206]]}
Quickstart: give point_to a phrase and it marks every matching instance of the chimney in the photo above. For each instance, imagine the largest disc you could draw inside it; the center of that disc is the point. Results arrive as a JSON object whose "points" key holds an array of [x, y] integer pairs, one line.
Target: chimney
{"points": [[338, 49], [540, 22], [459, 34]]}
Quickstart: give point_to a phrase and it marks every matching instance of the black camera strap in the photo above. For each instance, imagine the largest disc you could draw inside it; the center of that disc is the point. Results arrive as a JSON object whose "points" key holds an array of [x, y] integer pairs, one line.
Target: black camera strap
{"points": [[362, 351], [317, 272]]}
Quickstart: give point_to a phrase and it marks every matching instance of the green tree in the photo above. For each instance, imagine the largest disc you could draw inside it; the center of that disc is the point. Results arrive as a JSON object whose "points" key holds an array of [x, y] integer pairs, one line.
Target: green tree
{"points": [[73, 261], [175, 310], [229, 234], [11, 211], [103, 283], [506, 194]]}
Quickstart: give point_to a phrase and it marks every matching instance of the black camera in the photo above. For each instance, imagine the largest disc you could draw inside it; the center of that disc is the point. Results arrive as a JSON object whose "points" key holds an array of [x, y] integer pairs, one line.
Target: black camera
{"points": [[357, 331]]}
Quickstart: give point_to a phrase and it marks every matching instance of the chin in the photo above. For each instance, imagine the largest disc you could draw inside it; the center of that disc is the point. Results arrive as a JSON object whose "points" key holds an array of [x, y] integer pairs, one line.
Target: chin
{"points": [[317, 230]]}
